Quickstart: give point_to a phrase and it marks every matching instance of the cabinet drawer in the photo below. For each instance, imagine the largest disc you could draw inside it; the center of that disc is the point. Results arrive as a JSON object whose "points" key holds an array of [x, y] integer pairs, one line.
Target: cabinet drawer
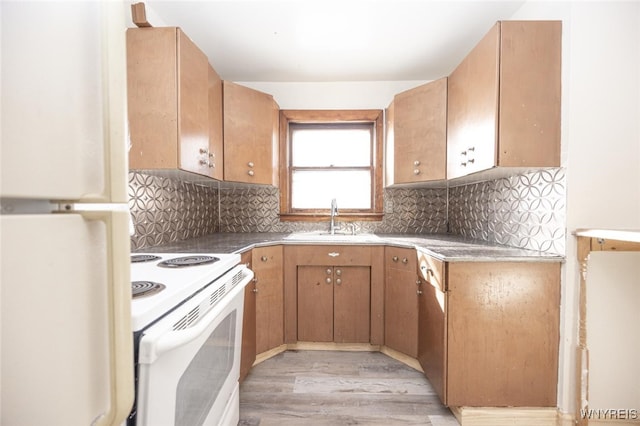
{"points": [[400, 258], [431, 270], [333, 255]]}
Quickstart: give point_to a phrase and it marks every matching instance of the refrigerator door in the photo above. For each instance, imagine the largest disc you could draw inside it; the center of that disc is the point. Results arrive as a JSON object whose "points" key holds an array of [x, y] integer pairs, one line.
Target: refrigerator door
{"points": [[65, 297], [63, 101]]}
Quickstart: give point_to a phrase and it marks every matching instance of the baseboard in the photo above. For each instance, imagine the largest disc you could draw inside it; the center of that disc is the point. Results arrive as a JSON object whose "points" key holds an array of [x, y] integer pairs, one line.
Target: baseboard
{"points": [[507, 416]]}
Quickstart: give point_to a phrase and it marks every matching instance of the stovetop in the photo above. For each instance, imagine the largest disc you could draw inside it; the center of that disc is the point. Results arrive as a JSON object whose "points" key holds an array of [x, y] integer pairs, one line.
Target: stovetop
{"points": [[181, 274]]}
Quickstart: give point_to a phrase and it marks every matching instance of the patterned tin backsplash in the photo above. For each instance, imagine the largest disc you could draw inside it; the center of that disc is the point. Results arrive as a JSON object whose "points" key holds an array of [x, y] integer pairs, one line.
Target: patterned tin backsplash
{"points": [[525, 211]]}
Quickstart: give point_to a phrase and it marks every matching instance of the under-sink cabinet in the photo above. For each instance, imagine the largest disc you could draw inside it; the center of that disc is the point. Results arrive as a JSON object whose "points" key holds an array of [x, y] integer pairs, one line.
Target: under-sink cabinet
{"points": [[333, 303], [402, 284], [333, 293]]}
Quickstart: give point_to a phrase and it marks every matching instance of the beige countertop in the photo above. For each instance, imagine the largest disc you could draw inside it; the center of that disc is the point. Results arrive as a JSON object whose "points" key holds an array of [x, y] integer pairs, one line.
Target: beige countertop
{"points": [[444, 247]]}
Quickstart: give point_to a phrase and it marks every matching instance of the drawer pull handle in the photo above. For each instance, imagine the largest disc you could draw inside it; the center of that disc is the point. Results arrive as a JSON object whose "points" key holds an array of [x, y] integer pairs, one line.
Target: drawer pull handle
{"points": [[394, 258], [264, 258], [405, 260], [334, 254]]}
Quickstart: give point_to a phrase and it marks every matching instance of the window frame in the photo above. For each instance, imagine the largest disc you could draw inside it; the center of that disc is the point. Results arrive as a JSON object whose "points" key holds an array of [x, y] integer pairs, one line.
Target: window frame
{"points": [[328, 117]]}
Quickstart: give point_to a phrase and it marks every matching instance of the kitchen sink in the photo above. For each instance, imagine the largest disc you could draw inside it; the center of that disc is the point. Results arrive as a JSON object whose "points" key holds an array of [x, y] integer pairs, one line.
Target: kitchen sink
{"points": [[324, 236]]}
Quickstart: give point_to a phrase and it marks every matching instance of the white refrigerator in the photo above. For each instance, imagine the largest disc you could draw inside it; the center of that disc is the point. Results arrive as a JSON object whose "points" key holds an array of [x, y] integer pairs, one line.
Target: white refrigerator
{"points": [[65, 297]]}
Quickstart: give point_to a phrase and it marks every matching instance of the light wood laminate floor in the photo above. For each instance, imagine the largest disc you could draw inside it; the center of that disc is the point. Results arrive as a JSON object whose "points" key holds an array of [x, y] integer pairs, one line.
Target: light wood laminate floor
{"points": [[338, 388]]}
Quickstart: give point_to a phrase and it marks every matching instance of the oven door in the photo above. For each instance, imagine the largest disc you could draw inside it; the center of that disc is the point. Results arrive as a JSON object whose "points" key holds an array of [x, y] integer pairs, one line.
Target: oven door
{"points": [[189, 362]]}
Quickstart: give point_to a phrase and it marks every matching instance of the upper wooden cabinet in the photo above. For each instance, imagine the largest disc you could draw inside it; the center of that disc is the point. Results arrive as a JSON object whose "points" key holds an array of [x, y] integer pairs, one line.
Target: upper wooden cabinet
{"points": [[504, 100], [216, 160], [169, 101], [251, 120], [419, 118]]}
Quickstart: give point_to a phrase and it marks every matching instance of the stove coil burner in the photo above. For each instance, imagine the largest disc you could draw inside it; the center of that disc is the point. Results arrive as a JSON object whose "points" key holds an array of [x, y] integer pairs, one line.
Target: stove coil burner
{"points": [[180, 262], [145, 288], [139, 258]]}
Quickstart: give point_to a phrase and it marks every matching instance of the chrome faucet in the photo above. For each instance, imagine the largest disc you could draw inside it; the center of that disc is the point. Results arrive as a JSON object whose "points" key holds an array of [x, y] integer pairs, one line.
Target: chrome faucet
{"points": [[334, 212]]}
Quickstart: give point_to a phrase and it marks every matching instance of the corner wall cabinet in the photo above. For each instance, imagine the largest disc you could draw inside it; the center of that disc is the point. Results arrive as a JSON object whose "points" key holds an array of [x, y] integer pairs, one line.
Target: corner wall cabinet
{"points": [[251, 131], [419, 117], [168, 83], [504, 100]]}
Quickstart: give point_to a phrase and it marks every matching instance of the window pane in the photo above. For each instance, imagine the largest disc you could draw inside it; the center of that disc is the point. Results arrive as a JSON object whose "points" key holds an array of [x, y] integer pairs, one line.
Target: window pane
{"points": [[315, 189], [331, 147]]}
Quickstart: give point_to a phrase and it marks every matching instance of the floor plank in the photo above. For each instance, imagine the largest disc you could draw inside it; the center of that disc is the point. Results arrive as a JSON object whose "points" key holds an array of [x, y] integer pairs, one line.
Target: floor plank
{"points": [[338, 388]]}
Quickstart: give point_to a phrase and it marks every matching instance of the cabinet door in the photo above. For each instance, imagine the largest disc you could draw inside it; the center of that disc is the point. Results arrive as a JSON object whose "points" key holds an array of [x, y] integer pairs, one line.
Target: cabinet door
{"points": [[267, 267], [215, 159], [248, 351], [401, 301], [472, 111], [315, 303], [420, 133], [168, 101], [432, 340], [193, 106], [250, 142], [351, 306]]}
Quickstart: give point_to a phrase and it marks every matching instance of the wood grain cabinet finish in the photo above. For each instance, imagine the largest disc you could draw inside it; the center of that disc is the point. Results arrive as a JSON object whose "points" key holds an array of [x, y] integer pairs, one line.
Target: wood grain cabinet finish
{"points": [[251, 126], [267, 266], [334, 293], [170, 93], [504, 100], [333, 304], [420, 133], [401, 300], [248, 351], [489, 332]]}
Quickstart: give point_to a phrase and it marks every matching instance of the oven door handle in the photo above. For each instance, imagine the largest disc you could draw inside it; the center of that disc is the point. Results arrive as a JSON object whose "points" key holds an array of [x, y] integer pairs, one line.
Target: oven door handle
{"points": [[153, 348]]}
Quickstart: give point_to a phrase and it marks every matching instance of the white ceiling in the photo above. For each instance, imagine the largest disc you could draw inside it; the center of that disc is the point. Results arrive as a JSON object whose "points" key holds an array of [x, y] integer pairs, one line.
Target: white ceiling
{"points": [[331, 40]]}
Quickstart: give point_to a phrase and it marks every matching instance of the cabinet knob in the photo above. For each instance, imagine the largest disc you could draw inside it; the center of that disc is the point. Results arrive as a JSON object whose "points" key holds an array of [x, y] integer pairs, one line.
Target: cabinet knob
{"points": [[338, 272], [338, 281], [416, 163], [328, 271], [418, 282], [211, 165], [463, 164], [250, 164], [211, 155], [333, 254], [204, 162], [204, 151], [328, 280], [255, 290], [416, 172], [264, 258], [394, 258], [471, 160], [250, 173], [472, 148], [419, 292], [405, 260]]}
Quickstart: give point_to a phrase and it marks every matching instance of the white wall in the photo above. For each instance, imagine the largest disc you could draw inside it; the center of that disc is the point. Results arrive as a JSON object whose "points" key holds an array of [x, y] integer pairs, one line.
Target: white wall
{"points": [[600, 138]]}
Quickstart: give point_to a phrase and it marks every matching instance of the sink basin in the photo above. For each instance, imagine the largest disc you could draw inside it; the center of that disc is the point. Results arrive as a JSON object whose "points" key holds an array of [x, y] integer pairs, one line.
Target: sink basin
{"points": [[324, 236]]}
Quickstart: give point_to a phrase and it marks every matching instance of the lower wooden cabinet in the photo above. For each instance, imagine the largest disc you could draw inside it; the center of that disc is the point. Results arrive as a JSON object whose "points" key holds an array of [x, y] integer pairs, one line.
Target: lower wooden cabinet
{"points": [[267, 267], [489, 332], [333, 303], [248, 351], [401, 300]]}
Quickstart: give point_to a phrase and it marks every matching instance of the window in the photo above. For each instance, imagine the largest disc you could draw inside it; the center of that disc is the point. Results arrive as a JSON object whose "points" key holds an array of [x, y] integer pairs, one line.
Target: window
{"points": [[327, 155]]}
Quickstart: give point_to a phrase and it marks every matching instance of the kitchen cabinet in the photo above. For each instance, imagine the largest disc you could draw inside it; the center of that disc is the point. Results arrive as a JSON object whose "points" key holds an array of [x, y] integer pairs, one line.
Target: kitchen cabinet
{"points": [[401, 300], [248, 350], [267, 267], [420, 133], [489, 332], [215, 155], [504, 100], [333, 303], [432, 323], [251, 120], [169, 102], [334, 293]]}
